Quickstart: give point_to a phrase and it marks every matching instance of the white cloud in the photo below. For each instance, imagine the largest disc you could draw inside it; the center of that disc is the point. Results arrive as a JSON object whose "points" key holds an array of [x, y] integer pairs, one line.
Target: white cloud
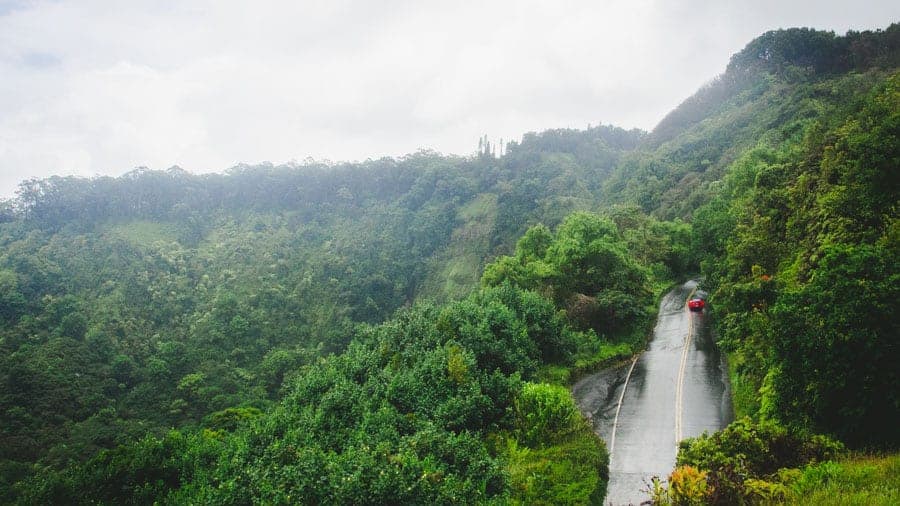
{"points": [[100, 88]]}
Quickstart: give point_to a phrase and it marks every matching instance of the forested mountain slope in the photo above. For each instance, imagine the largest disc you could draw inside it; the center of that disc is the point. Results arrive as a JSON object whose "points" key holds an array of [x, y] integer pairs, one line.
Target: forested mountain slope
{"points": [[798, 229], [256, 311], [131, 305], [798, 235], [771, 92]]}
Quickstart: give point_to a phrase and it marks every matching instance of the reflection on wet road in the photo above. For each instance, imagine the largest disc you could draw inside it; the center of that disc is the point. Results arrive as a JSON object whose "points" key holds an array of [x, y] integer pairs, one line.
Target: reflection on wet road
{"points": [[677, 388]]}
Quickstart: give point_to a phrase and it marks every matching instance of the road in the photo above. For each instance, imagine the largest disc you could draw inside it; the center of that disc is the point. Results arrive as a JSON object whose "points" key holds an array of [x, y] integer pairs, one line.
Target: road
{"points": [[677, 388]]}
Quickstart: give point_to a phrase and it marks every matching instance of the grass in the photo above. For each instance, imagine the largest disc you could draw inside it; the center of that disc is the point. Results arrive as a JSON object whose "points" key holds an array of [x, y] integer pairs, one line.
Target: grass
{"points": [[744, 394], [859, 480], [606, 356], [456, 270], [460, 276], [568, 466], [144, 234], [482, 207]]}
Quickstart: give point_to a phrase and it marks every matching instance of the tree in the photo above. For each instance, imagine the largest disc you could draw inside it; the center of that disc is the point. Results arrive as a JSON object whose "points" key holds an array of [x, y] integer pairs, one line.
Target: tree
{"points": [[835, 346]]}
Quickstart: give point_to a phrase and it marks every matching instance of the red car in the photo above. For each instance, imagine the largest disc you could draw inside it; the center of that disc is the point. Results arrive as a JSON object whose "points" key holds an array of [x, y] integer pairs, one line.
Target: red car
{"points": [[698, 301]]}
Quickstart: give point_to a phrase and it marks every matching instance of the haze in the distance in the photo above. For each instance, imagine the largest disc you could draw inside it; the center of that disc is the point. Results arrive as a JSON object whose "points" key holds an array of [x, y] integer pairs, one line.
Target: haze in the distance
{"points": [[94, 88]]}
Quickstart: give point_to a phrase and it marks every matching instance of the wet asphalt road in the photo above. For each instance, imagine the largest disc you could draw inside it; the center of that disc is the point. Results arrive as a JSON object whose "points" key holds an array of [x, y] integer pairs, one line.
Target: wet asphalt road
{"points": [[677, 388]]}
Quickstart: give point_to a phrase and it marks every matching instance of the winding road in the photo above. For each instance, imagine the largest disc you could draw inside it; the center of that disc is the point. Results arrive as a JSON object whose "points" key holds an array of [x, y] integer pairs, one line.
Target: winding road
{"points": [[677, 388]]}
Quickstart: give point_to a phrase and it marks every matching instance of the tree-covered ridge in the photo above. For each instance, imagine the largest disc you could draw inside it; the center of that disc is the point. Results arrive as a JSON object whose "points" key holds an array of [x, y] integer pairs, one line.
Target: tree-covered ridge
{"points": [[770, 91], [429, 407], [161, 299], [149, 301], [315, 190], [442, 379], [794, 54], [805, 258]]}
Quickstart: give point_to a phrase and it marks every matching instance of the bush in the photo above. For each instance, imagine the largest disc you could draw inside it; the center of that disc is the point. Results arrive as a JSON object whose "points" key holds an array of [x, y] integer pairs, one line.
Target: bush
{"points": [[748, 450], [544, 414], [688, 486], [553, 456]]}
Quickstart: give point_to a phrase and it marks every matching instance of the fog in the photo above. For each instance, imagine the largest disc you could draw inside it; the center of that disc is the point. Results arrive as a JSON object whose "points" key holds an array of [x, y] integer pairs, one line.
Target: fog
{"points": [[97, 88]]}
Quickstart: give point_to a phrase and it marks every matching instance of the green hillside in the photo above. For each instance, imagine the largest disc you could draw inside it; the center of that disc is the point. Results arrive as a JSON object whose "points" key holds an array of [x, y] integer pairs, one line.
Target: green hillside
{"points": [[793, 201], [399, 330]]}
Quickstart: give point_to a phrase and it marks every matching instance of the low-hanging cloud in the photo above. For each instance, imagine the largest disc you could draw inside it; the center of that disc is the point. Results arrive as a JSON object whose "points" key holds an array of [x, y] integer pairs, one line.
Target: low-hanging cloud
{"points": [[100, 88]]}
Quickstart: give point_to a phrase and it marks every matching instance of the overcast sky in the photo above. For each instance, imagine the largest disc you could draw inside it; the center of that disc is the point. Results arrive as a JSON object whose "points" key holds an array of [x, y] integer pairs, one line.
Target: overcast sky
{"points": [[93, 88]]}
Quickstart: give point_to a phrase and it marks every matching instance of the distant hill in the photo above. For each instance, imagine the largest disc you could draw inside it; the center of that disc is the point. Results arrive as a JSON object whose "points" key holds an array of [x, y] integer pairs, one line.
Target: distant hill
{"points": [[776, 86]]}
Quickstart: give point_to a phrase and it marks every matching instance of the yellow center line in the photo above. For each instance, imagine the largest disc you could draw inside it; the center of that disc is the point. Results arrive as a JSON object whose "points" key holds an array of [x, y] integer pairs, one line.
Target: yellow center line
{"points": [[679, 383]]}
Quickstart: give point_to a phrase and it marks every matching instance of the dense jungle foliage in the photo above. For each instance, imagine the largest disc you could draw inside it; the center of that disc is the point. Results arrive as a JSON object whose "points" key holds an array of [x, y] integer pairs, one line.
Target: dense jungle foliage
{"points": [[163, 300], [802, 245], [323, 333], [801, 248]]}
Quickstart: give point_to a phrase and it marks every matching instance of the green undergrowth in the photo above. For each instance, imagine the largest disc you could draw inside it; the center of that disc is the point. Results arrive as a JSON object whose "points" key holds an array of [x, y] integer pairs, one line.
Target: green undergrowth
{"points": [[553, 455], [744, 393], [764, 462], [859, 480]]}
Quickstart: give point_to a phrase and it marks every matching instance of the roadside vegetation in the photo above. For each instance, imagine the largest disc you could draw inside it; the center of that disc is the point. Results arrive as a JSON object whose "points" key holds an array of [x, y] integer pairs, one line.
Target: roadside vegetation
{"points": [[765, 463]]}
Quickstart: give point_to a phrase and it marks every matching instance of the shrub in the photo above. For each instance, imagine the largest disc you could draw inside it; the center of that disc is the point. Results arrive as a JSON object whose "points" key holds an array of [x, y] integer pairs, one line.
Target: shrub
{"points": [[747, 450], [544, 413], [688, 486]]}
